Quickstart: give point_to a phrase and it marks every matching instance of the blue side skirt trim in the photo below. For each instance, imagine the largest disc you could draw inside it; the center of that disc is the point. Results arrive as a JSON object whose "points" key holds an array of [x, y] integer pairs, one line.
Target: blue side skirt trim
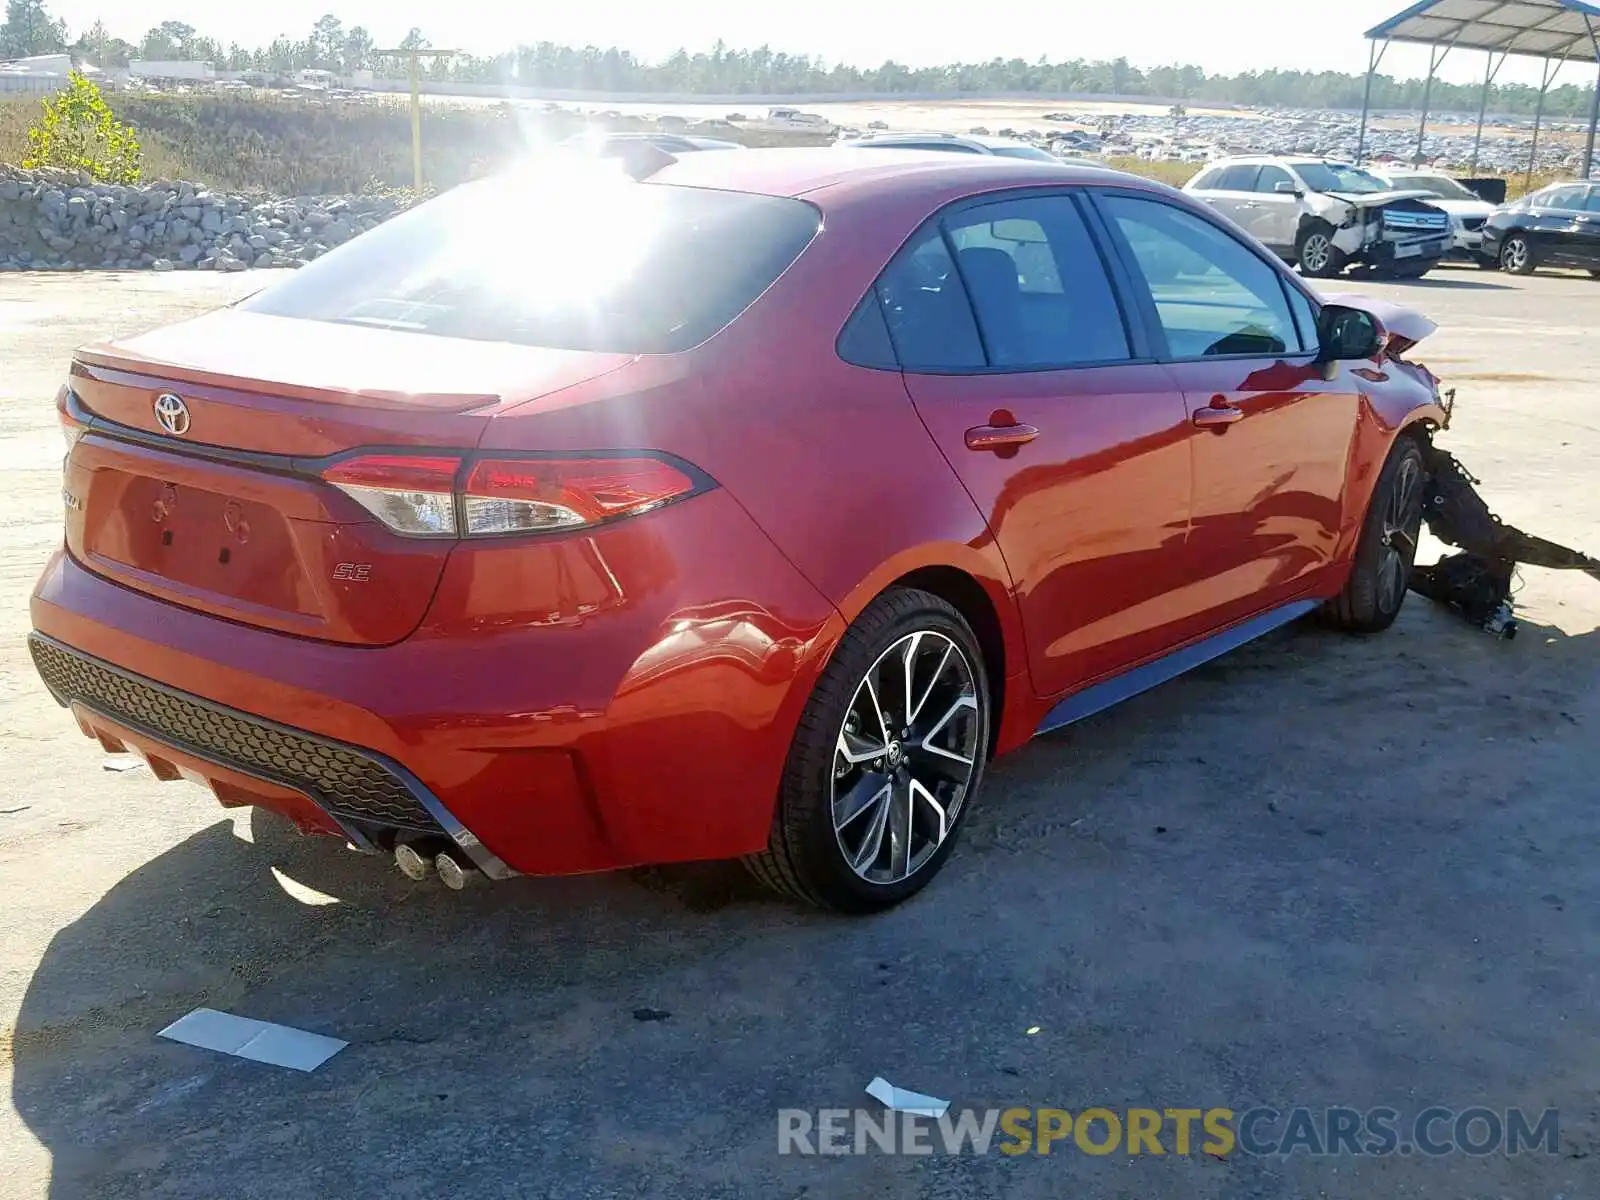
{"points": [[1141, 679]]}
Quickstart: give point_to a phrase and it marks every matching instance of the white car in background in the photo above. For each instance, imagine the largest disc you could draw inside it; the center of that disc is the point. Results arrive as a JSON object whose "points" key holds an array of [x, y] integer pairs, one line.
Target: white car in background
{"points": [[1467, 210], [1325, 215]]}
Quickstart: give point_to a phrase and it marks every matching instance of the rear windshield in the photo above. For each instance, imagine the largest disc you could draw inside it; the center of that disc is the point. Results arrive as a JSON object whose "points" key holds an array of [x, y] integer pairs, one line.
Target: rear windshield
{"points": [[606, 265], [1033, 153]]}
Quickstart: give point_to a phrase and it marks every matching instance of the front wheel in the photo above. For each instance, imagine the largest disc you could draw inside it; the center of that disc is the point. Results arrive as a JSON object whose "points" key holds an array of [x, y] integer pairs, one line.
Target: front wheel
{"points": [[1516, 255], [1318, 257], [889, 753], [1381, 573]]}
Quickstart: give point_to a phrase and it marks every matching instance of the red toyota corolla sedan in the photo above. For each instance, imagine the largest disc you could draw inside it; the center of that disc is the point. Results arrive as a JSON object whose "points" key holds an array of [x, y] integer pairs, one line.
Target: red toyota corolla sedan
{"points": [[576, 521]]}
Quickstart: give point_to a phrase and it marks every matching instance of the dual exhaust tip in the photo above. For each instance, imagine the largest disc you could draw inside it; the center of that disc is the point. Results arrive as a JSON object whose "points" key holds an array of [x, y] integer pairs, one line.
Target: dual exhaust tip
{"points": [[415, 861]]}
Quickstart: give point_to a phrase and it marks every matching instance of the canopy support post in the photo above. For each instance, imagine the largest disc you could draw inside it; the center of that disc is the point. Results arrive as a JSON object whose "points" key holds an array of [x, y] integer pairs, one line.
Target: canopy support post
{"points": [[1374, 60], [1436, 58], [1594, 108], [1490, 71], [1551, 66]]}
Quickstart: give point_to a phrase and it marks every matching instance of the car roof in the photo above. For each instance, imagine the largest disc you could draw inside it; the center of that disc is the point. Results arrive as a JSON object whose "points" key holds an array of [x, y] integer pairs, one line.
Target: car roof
{"points": [[843, 170], [1293, 160]]}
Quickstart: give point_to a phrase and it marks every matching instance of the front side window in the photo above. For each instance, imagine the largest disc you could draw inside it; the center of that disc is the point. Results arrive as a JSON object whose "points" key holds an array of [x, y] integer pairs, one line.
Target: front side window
{"points": [[1566, 198], [1038, 284], [1592, 204], [1212, 295], [1271, 177]]}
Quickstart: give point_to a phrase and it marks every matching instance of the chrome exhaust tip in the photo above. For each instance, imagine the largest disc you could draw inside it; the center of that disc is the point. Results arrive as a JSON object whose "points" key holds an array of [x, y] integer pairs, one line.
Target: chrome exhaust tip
{"points": [[453, 873], [411, 864]]}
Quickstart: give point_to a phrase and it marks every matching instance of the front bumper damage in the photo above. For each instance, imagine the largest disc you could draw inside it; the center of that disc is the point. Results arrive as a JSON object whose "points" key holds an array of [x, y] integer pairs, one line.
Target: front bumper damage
{"points": [[1476, 581], [1399, 230]]}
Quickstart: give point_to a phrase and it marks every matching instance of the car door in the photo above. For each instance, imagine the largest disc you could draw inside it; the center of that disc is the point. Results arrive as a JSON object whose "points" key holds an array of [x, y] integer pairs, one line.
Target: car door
{"points": [[1588, 235], [1273, 436], [1234, 195], [1073, 444], [1553, 225], [1275, 221]]}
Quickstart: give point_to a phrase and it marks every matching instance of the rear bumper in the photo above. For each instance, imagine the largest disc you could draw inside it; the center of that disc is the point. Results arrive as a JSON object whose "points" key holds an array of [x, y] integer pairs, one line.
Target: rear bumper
{"points": [[646, 724]]}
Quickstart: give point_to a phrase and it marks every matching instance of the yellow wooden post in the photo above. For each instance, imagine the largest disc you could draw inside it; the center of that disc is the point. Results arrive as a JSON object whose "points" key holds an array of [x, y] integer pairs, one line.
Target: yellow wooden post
{"points": [[413, 58], [416, 125]]}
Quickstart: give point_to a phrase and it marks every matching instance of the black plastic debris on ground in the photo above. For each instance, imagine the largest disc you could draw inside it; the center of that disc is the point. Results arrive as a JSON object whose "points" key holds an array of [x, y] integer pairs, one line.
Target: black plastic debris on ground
{"points": [[1477, 582]]}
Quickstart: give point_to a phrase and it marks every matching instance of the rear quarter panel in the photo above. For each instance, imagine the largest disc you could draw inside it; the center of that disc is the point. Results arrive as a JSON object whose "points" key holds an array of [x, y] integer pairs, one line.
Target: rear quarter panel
{"points": [[830, 460]]}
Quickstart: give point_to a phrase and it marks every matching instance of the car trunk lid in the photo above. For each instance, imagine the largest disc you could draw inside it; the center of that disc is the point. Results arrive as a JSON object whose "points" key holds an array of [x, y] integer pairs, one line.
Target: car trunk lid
{"points": [[227, 514]]}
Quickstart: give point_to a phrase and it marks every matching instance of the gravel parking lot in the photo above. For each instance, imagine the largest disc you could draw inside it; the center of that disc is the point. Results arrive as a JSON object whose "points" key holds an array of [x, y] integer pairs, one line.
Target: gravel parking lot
{"points": [[1320, 872]]}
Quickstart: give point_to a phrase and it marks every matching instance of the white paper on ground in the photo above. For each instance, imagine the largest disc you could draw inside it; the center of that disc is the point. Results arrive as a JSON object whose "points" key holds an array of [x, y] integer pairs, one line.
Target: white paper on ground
{"points": [[260, 1041], [901, 1100]]}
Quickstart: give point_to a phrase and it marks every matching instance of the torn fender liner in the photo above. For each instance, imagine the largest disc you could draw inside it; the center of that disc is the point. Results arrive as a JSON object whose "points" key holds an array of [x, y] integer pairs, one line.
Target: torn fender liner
{"points": [[1477, 582]]}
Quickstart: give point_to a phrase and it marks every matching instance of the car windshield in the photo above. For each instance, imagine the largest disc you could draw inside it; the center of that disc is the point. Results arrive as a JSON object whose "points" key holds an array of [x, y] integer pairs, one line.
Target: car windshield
{"points": [[584, 263], [1337, 177], [1439, 185], [1032, 153]]}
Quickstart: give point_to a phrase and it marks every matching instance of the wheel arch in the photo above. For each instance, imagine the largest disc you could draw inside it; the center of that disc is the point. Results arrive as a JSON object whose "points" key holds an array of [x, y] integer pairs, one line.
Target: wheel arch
{"points": [[977, 608]]}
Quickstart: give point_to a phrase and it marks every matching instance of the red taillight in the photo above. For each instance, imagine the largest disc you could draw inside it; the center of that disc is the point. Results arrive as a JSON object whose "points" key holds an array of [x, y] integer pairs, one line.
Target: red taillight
{"points": [[408, 493], [531, 494], [416, 495]]}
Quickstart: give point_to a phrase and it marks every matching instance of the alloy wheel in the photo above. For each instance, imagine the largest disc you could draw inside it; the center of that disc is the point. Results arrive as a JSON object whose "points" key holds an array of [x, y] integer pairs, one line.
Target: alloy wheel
{"points": [[1315, 252], [905, 757], [1402, 521], [1515, 255]]}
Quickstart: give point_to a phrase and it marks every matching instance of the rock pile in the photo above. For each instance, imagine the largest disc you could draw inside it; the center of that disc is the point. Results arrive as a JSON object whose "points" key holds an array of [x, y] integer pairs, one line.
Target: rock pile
{"points": [[58, 220]]}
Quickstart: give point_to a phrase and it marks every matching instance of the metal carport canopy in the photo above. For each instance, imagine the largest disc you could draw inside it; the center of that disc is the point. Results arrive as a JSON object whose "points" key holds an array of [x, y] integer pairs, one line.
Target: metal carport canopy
{"points": [[1557, 31], [1538, 28]]}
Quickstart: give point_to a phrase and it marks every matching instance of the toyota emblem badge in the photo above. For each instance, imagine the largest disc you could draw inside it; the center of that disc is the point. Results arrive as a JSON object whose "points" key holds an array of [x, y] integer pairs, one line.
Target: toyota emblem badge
{"points": [[173, 414]]}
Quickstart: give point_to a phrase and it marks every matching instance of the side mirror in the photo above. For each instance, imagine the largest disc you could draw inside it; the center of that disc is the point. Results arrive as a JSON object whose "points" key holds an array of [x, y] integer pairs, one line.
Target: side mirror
{"points": [[1348, 334], [1285, 188]]}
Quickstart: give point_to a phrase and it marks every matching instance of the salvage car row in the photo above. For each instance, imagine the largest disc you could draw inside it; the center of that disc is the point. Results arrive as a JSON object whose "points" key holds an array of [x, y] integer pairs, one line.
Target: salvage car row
{"points": [[1325, 216]]}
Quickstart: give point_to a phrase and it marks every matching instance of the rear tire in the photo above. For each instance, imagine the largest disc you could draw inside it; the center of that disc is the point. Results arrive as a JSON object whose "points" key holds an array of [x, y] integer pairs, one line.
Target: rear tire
{"points": [[1516, 255], [1381, 574], [1314, 250], [886, 761]]}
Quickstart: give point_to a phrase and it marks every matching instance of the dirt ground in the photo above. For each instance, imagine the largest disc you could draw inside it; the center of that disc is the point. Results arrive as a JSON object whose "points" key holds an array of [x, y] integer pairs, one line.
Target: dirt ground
{"points": [[1320, 871]]}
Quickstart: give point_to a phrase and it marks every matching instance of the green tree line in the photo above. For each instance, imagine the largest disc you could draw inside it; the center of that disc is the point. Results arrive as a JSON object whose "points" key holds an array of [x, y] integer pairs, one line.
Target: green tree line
{"points": [[331, 45]]}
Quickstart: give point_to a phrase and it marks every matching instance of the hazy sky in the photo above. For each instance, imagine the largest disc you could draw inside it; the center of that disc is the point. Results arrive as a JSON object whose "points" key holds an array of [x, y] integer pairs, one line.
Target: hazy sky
{"points": [[1220, 35]]}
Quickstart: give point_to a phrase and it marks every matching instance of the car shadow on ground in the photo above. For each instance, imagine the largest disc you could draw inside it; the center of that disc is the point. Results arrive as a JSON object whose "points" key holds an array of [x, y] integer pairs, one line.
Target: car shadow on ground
{"points": [[638, 1032], [1448, 282]]}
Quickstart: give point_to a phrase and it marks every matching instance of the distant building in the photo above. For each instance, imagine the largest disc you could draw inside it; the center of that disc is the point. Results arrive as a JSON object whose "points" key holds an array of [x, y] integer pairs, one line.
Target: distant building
{"points": [[40, 75]]}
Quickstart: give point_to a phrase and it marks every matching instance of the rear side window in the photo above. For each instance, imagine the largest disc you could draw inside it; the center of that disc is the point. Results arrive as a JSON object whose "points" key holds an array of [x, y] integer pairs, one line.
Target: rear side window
{"points": [[1239, 179], [604, 265], [1212, 294], [926, 308], [1593, 203], [1208, 179], [1038, 284]]}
